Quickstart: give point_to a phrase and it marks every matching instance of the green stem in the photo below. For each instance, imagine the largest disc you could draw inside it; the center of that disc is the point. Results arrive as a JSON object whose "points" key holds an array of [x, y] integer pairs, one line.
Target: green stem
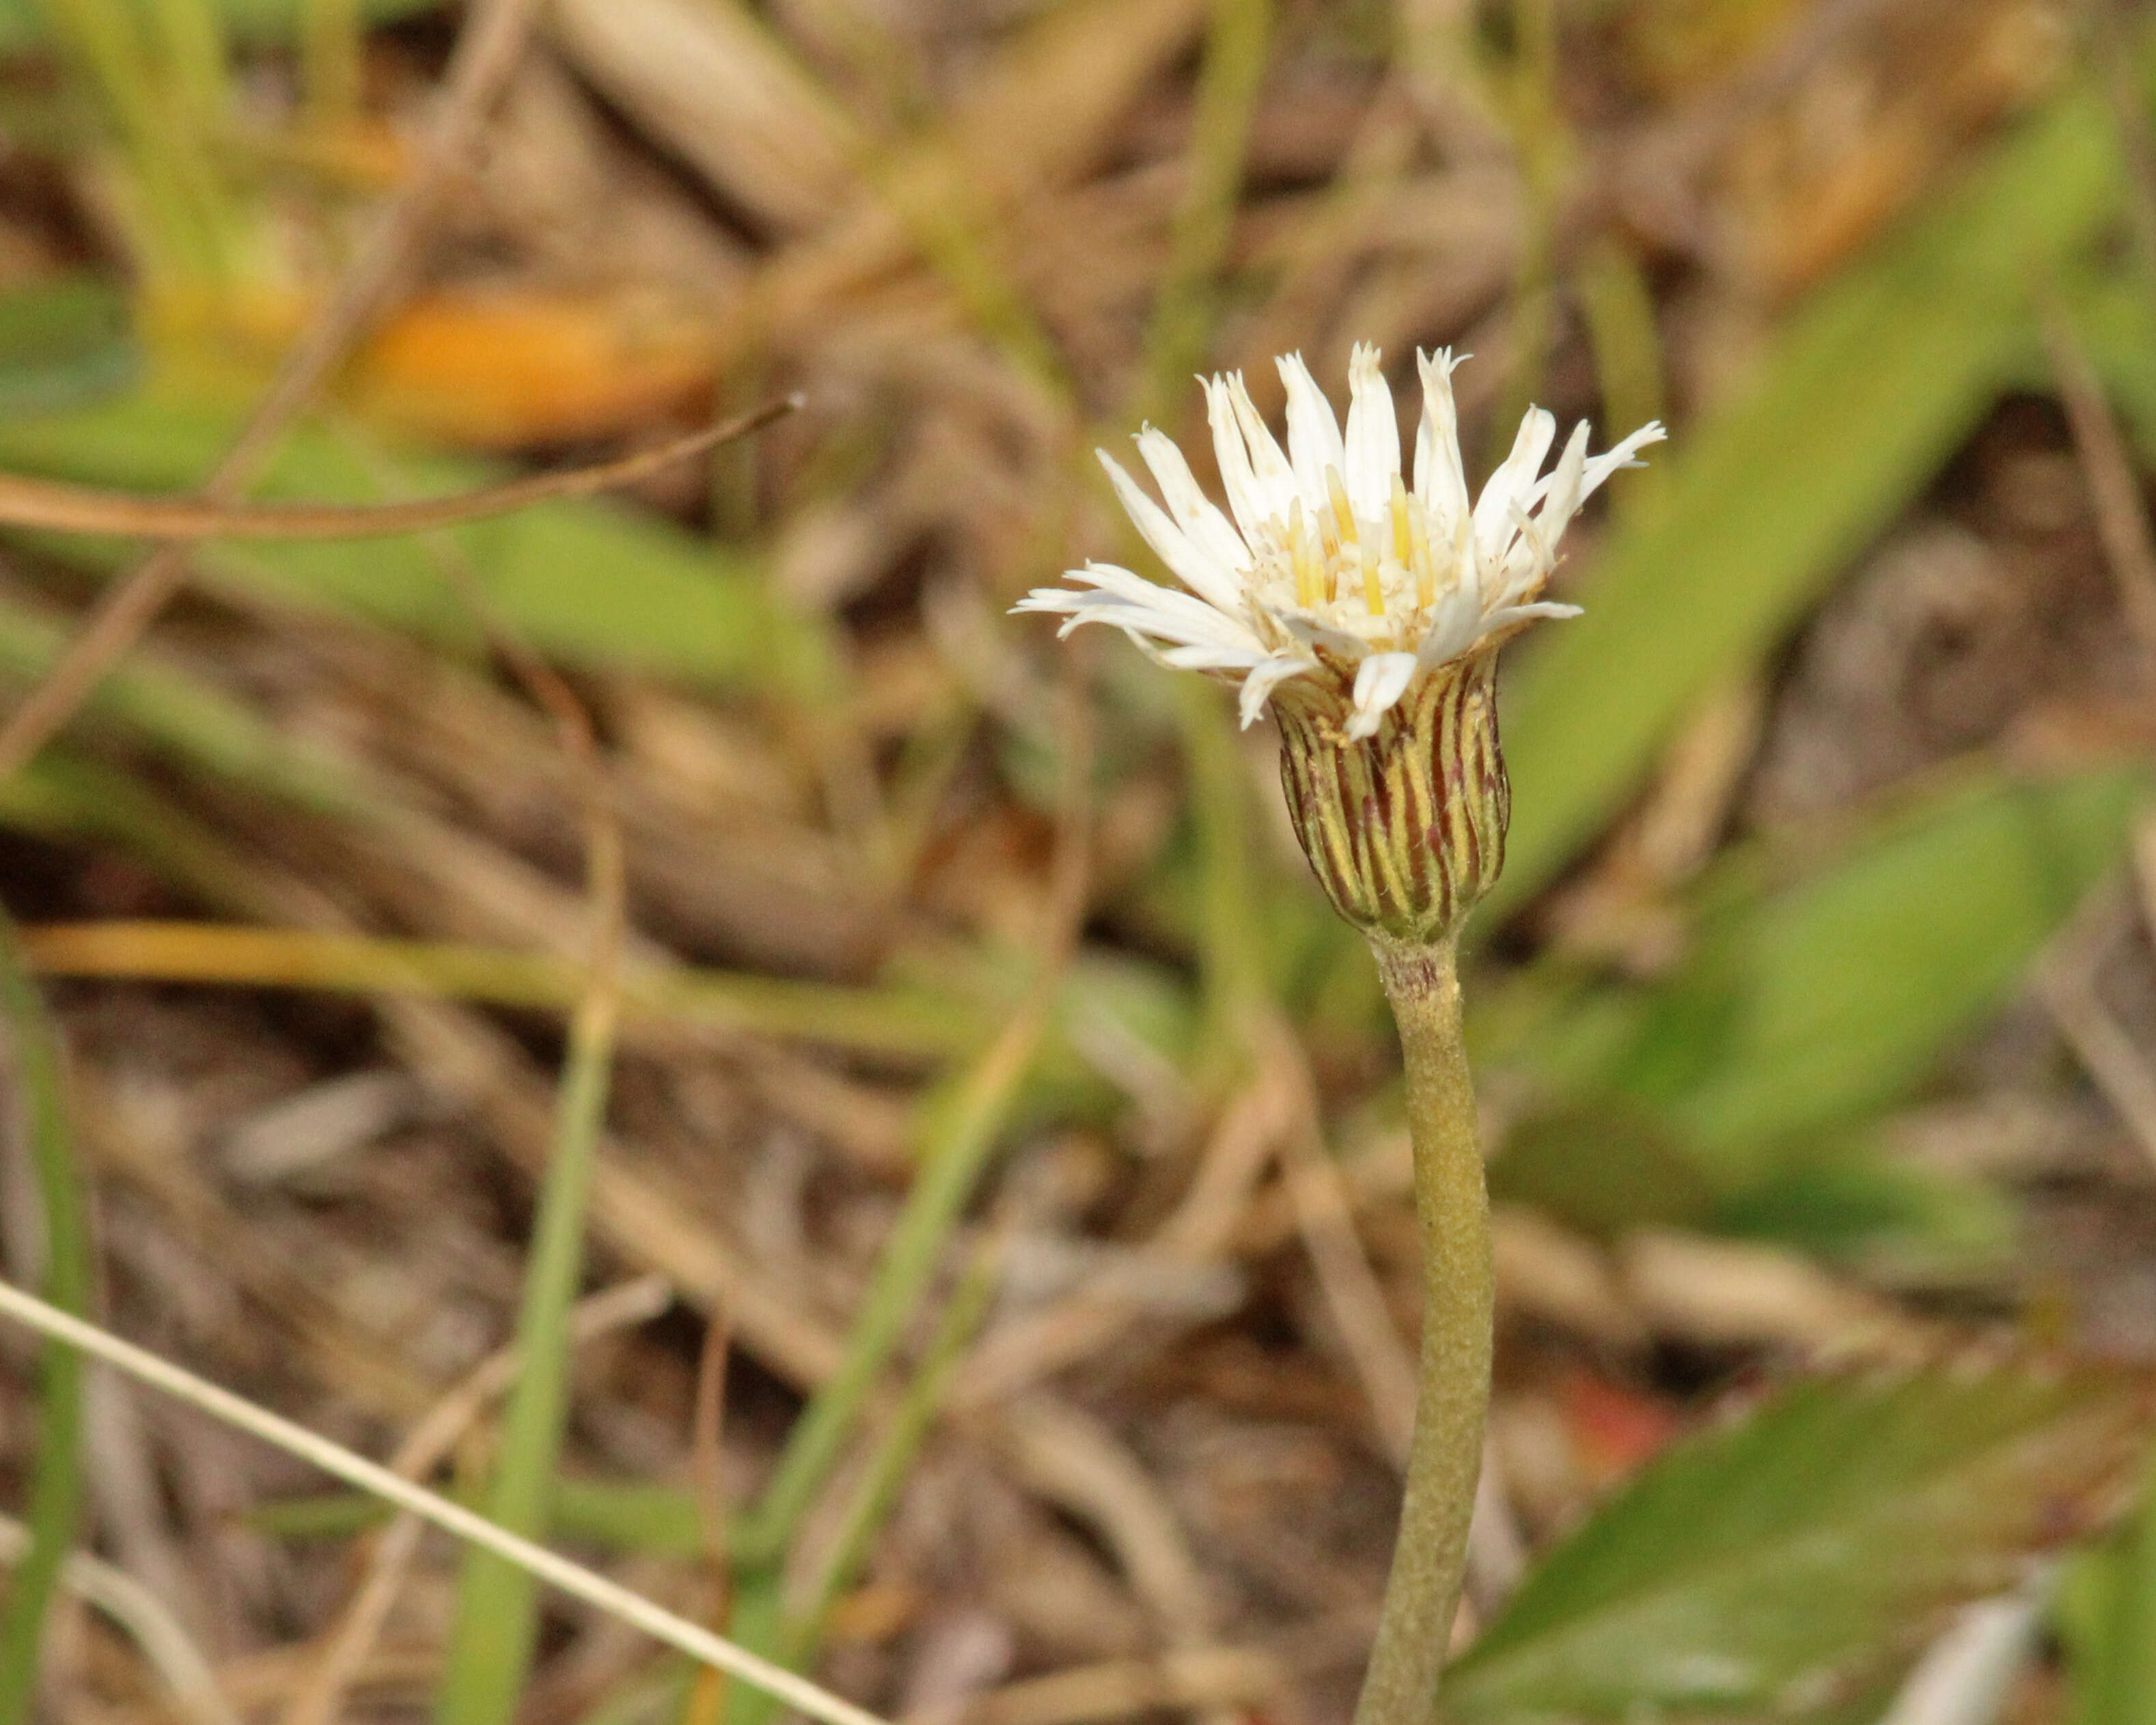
{"points": [[873, 1497], [55, 1506], [963, 1122], [1453, 1207], [2119, 1688], [495, 1629]]}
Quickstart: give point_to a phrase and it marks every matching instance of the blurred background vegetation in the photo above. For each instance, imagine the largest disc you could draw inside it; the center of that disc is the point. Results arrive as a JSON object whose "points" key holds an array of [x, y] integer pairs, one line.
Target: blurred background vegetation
{"points": [[993, 1247]]}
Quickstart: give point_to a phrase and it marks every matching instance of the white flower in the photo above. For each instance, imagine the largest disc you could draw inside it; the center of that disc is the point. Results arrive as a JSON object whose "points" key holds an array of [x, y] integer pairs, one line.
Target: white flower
{"points": [[1332, 566]]}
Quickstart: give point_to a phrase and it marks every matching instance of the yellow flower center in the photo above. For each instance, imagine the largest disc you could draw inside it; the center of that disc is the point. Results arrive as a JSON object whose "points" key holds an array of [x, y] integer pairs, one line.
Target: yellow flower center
{"points": [[1334, 557]]}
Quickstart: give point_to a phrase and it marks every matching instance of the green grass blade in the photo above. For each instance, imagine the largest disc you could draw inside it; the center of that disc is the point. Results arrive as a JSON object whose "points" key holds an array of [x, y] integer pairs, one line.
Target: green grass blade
{"points": [[2115, 1671], [1777, 1564], [497, 1619], [616, 1514], [1820, 987], [1179, 333], [590, 582], [64, 341], [1617, 305], [23, 26], [761, 1616], [56, 1497], [62, 796], [1870, 388], [195, 724], [1833, 996], [963, 1121], [880, 1486]]}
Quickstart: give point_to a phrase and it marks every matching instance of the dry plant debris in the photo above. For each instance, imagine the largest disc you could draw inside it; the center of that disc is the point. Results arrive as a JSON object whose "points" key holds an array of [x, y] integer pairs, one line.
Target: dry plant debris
{"points": [[303, 870]]}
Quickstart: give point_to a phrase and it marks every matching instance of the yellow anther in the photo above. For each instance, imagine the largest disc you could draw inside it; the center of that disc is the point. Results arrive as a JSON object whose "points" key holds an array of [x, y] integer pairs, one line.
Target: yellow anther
{"points": [[1404, 534], [1373, 590], [1425, 573], [1300, 558], [1342, 513]]}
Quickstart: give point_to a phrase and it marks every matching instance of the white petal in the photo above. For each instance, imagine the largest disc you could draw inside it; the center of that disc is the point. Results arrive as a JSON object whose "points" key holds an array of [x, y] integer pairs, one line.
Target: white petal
{"points": [[1276, 479], [1212, 658], [1157, 630], [1127, 585], [1192, 658], [1374, 437], [1508, 488], [1522, 614], [1382, 680], [1165, 657], [1523, 564], [1560, 490], [1129, 600], [1313, 434], [1455, 626], [1602, 466], [1052, 598], [1195, 512], [1440, 480], [1308, 630], [1232, 610], [1246, 497], [1182, 630], [1200, 573], [1267, 675]]}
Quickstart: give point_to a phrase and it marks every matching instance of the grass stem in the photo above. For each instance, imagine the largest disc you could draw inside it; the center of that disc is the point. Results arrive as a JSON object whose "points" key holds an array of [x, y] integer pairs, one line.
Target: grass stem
{"points": [[879, 1489], [888, 1023], [2122, 1688], [963, 1131], [963, 1121], [573, 1579], [496, 1629], [1179, 332], [56, 1497]]}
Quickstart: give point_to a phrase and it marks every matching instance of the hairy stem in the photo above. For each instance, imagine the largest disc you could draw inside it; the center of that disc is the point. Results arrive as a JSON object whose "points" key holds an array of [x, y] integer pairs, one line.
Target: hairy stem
{"points": [[1453, 1208]]}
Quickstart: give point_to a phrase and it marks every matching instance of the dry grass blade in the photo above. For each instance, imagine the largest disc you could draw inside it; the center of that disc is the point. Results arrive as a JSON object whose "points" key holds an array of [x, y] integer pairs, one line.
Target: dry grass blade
{"points": [[1189, 1678], [317, 1133], [1326, 1216], [1965, 1675], [487, 50], [2114, 488], [494, 1636], [647, 1220], [2064, 980], [1027, 1348], [964, 1133], [1081, 1467], [319, 1695], [58, 507], [196, 1694], [895, 1025], [573, 1579]]}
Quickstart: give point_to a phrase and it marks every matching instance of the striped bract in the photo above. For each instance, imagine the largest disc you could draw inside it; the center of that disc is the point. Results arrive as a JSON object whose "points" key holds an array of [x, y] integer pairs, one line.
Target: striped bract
{"points": [[1404, 827]]}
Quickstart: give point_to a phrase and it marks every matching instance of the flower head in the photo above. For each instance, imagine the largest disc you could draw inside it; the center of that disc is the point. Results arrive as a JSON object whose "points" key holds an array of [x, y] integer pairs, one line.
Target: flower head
{"points": [[1333, 567], [1367, 613]]}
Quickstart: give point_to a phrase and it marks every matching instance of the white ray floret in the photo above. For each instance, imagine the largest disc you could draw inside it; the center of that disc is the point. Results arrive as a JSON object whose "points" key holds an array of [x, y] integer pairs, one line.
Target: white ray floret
{"points": [[1328, 562]]}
